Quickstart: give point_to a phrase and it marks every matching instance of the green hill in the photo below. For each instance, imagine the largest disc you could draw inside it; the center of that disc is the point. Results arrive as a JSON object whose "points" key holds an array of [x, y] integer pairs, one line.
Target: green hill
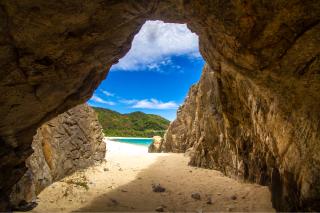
{"points": [[135, 124]]}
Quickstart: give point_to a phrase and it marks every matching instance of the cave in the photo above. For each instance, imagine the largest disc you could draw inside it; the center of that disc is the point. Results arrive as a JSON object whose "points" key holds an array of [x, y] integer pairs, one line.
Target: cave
{"points": [[263, 57]]}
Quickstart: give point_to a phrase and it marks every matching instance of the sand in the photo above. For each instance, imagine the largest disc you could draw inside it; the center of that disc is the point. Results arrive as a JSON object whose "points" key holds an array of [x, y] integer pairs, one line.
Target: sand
{"points": [[124, 183]]}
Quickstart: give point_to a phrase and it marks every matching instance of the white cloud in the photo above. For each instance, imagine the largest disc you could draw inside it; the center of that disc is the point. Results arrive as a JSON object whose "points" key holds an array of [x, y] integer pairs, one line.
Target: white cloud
{"points": [[149, 104], [107, 93], [127, 101], [97, 99], [154, 104], [156, 43]]}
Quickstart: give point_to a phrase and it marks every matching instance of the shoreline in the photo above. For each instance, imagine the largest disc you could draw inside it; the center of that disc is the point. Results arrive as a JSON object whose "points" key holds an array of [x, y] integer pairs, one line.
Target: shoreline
{"points": [[109, 140], [124, 148], [125, 137]]}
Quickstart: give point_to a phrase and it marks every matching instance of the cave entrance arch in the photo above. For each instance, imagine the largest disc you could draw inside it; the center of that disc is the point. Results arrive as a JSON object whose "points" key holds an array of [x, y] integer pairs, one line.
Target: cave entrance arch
{"points": [[154, 77], [55, 54]]}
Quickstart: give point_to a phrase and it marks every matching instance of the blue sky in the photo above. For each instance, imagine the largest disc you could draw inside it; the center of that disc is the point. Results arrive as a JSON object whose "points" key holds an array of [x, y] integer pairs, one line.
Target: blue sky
{"points": [[156, 74]]}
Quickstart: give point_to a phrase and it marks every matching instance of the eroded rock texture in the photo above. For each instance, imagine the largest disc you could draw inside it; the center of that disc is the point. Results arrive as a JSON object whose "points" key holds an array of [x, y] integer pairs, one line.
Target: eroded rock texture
{"points": [[230, 126], [69, 142], [54, 54]]}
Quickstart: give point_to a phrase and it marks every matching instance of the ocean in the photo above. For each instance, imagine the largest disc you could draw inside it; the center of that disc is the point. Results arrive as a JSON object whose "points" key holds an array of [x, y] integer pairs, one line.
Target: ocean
{"points": [[136, 141]]}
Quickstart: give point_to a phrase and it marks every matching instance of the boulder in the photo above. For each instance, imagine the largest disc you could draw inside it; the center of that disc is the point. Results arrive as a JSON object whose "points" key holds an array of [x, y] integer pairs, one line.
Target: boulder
{"points": [[155, 146]]}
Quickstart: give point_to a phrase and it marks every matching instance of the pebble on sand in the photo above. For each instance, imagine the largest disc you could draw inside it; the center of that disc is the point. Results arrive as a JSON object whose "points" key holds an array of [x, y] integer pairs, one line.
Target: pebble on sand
{"points": [[209, 201], [229, 209], [160, 209], [233, 197], [196, 196], [114, 201], [158, 188]]}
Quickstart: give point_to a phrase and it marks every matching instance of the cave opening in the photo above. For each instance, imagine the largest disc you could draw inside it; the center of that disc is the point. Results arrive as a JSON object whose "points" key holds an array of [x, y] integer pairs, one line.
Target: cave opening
{"points": [[135, 105], [154, 77], [265, 58]]}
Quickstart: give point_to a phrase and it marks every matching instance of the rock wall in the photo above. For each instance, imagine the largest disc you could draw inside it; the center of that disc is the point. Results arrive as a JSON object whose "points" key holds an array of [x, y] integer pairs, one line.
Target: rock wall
{"points": [[232, 126], [69, 142], [53, 54]]}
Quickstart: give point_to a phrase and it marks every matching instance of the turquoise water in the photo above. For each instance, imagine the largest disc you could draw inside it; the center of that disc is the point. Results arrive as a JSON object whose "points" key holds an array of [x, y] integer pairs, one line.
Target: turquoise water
{"points": [[137, 141]]}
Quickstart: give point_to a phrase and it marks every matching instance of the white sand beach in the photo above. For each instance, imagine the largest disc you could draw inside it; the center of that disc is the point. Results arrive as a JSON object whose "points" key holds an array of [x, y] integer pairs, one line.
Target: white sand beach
{"points": [[124, 183]]}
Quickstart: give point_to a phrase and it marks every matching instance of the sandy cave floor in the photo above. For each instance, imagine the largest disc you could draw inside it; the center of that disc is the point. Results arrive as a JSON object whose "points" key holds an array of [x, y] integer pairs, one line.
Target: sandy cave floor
{"points": [[124, 183]]}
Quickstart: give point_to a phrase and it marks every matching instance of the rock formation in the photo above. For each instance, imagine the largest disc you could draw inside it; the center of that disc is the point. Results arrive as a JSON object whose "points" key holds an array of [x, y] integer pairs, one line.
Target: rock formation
{"points": [[69, 142], [265, 55], [245, 139], [156, 144]]}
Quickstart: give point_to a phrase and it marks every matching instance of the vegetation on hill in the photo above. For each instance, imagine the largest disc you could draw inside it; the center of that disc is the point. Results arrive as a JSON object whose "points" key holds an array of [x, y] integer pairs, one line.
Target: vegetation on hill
{"points": [[135, 124]]}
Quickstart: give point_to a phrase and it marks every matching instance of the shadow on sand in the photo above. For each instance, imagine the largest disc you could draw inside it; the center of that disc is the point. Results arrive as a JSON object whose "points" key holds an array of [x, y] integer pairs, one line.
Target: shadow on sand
{"points": [[180, 181]]}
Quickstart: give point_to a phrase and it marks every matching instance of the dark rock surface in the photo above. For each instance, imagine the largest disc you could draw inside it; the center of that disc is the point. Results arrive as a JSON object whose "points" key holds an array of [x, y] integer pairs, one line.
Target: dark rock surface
{"points": [[265, 55], [71, 141]]}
